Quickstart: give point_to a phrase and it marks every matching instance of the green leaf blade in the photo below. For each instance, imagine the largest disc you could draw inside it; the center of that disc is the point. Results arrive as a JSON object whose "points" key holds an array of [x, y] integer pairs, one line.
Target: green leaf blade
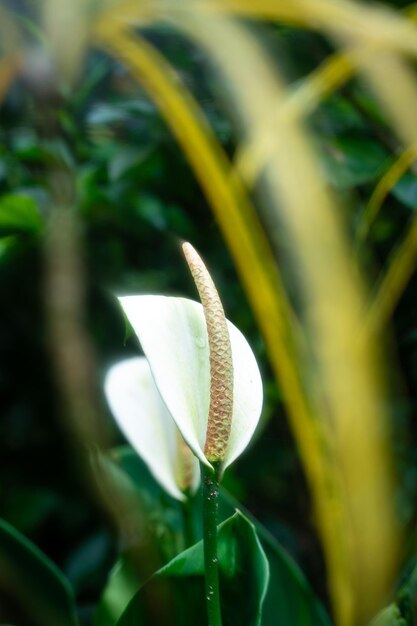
{"points": [[244, 576], [19, 214], [33, 582]]}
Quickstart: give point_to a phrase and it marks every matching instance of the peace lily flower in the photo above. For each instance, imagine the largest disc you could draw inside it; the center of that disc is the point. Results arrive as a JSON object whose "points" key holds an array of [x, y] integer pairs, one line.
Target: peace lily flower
{"points": [[202, 377], [147, 424]]}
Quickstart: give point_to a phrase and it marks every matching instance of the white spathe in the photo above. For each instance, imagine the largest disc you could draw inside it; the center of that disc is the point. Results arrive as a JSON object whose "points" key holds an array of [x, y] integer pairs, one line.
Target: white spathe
{"points": [[173, 335], [147, 424]]}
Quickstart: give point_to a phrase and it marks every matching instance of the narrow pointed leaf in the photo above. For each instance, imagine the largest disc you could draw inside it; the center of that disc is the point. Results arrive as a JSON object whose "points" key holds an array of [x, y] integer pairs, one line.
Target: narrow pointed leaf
{"points": [[121, 587], [30, 580], [152, 528], [289, 595], [244, 580], [173, 335]]}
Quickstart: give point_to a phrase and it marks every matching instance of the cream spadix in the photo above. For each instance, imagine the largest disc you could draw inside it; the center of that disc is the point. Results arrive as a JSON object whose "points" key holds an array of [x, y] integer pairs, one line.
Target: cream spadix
{"points": [[173, 335], [220, 413], [147, 424]]}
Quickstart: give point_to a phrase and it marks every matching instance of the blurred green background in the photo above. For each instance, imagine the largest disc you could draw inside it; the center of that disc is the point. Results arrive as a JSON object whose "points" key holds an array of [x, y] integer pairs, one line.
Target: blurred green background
{"points": [[137, 200]]}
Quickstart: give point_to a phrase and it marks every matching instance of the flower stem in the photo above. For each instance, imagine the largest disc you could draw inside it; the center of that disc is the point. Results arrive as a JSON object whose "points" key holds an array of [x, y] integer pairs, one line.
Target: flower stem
{"points": [[210, 482]]}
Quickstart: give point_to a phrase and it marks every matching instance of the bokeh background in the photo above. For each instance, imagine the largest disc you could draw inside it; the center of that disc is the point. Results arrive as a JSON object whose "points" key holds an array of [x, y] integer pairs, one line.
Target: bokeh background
{"points": [[137, 199]]}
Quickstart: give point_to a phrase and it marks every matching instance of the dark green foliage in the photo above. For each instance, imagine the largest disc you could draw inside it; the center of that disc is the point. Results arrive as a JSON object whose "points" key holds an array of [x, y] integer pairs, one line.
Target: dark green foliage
{"points": [[19, 214], [33, 583], [287, 592], [351, 161]]}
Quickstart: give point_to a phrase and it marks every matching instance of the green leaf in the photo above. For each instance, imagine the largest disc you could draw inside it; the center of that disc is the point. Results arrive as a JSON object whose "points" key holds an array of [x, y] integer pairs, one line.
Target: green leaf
{"points": [[19, 214], [244, 576], [406, 190], [127, 159], [121, 587], [352, 161], [391, 616], [31, 581], [145, 505], [288, 596]]}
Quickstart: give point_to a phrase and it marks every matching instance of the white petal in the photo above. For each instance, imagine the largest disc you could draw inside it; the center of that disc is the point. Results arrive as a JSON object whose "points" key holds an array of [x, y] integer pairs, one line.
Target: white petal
{"points": [[247, 395], [173, 335], [145, 421]]}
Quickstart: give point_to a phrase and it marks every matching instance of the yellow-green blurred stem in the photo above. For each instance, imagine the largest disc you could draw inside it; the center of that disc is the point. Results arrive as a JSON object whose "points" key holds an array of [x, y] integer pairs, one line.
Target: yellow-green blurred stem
{"points": [[210, 480]]}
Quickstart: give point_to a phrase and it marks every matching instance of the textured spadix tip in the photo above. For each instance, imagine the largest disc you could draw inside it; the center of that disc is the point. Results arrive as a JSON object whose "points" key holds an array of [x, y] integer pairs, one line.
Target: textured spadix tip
{"points": [[221, 366], [190, 253]]}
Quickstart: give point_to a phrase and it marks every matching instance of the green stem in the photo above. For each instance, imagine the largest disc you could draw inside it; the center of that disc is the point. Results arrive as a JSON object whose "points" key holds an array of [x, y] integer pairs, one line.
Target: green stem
{"points": [[210, 482]]}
